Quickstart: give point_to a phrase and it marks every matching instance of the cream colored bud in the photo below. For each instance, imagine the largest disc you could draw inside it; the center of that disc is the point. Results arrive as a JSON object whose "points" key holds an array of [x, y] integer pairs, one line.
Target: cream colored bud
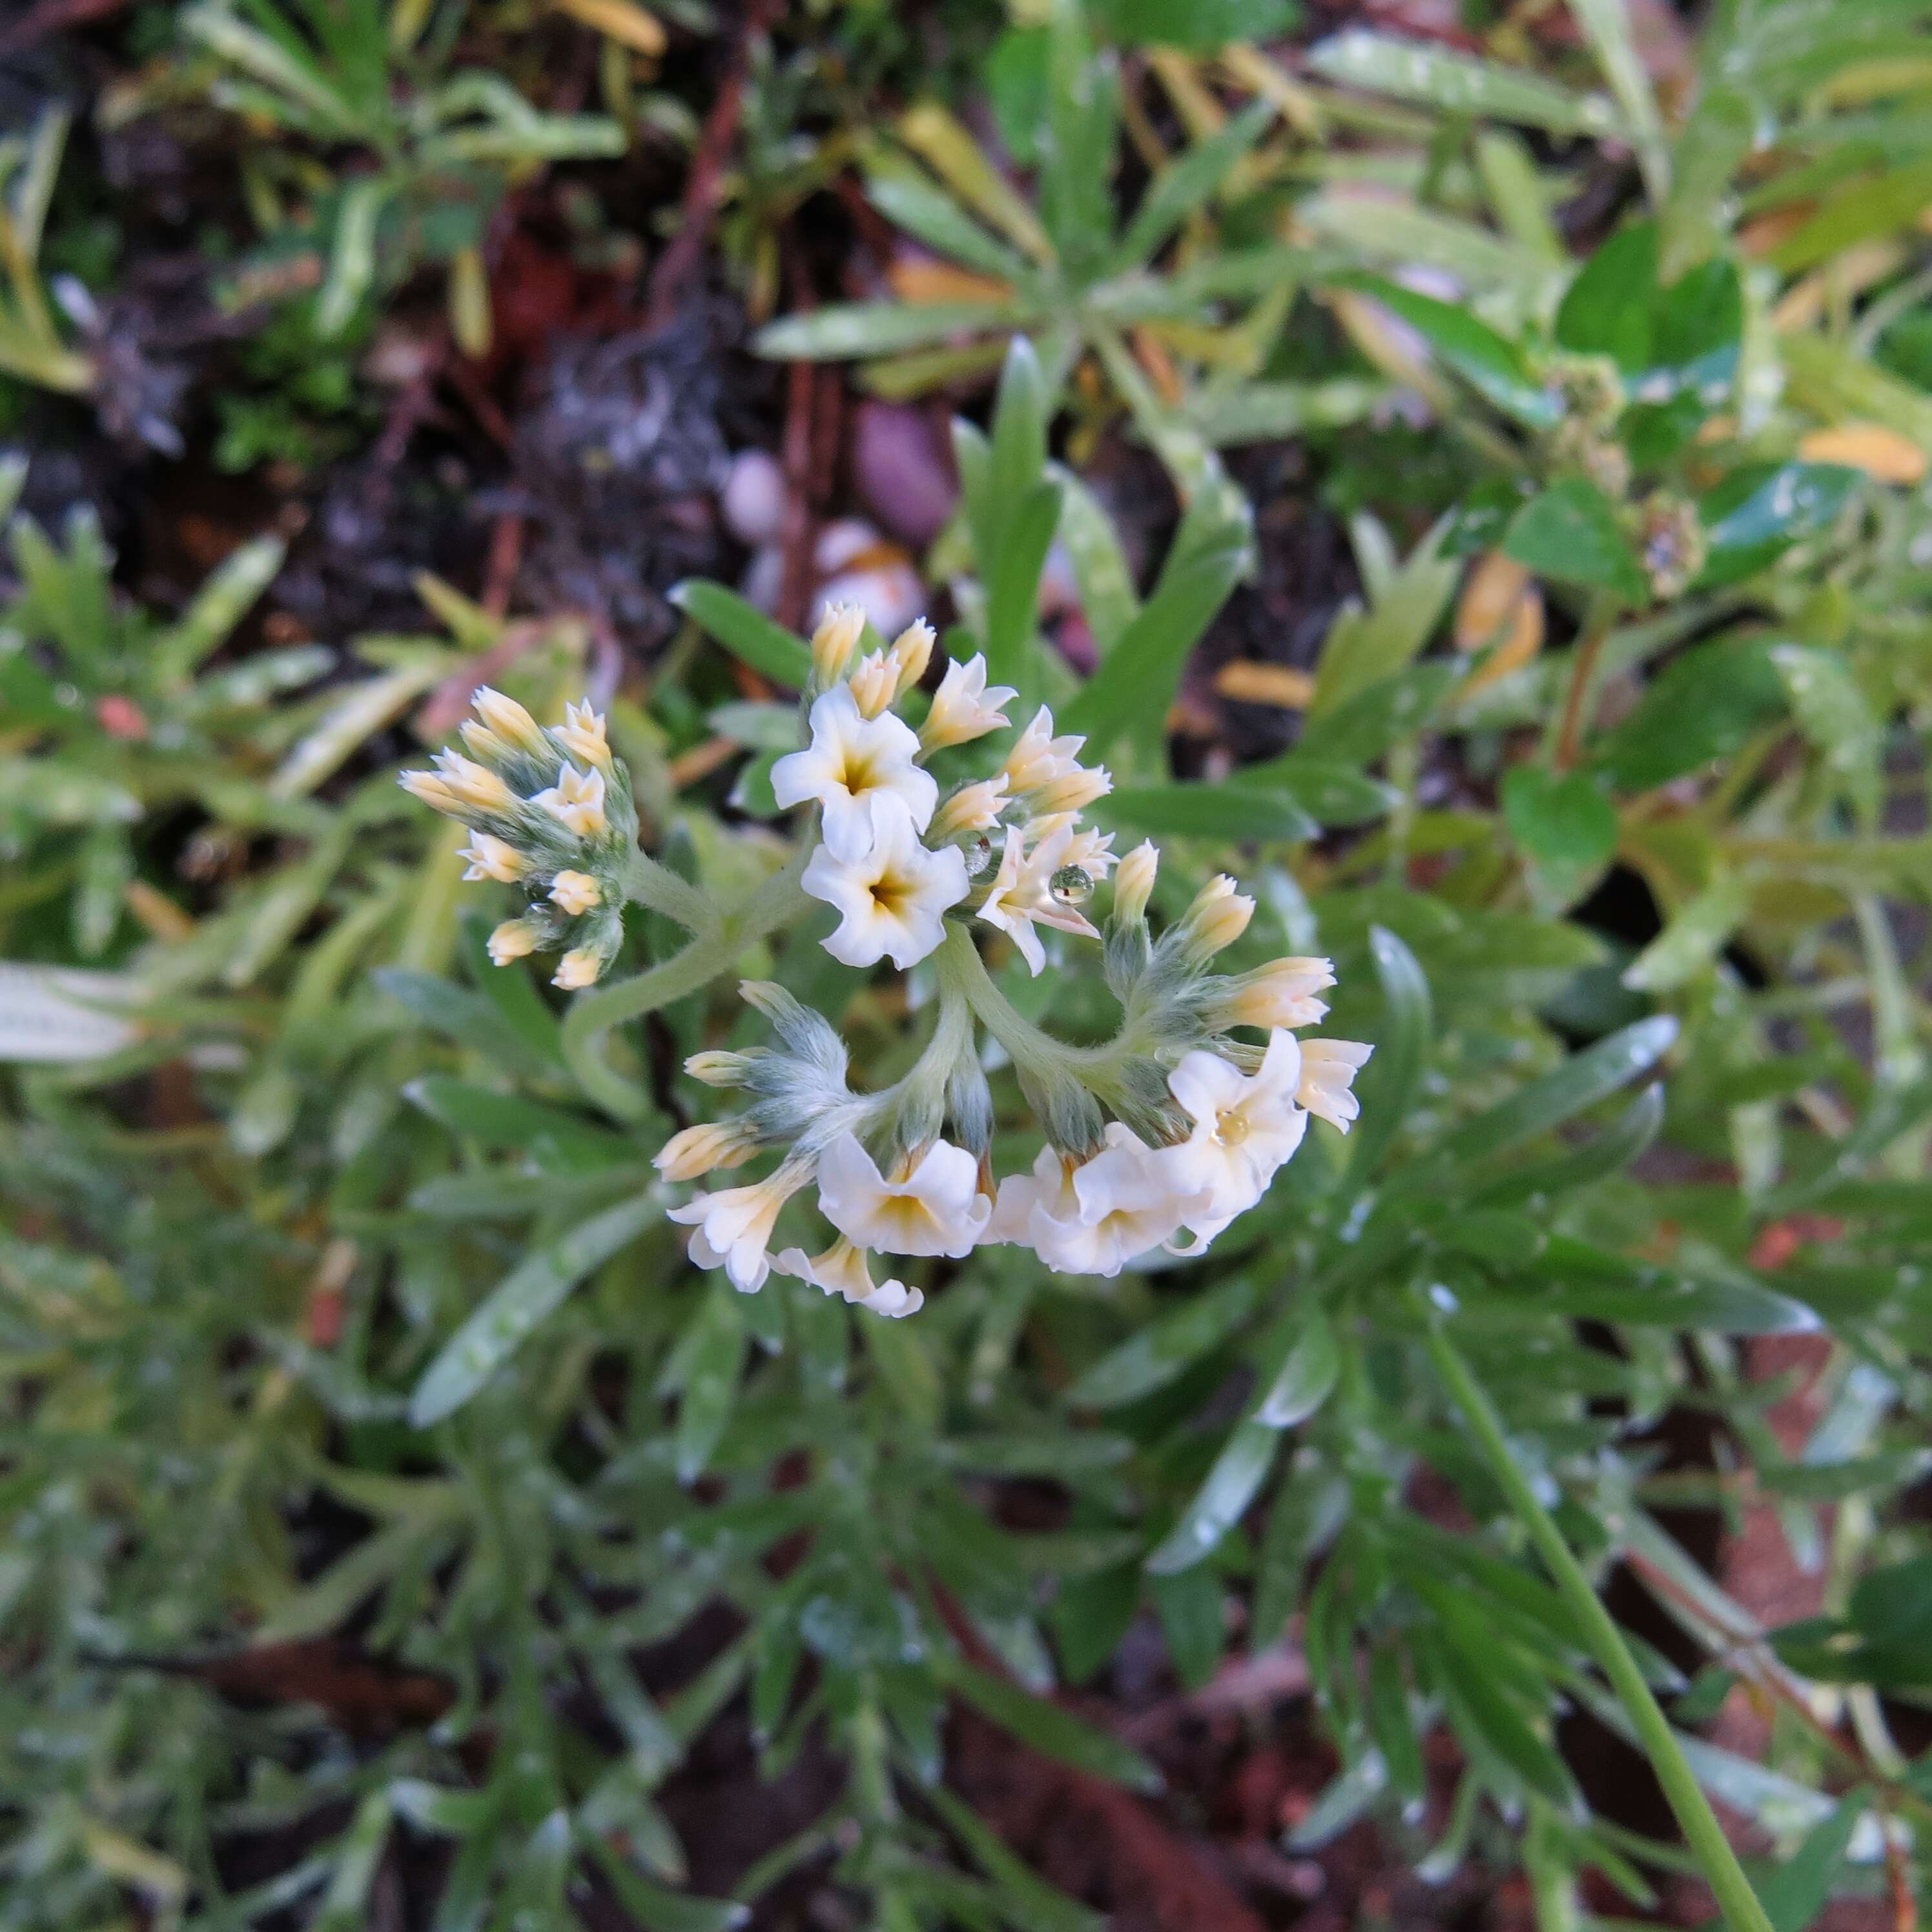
{"points": [[487, 858], [1133, 884], [717, 1068], [1072, 791], [578, 968], [582, 735], [703, 1149], [474, 785], [482, 743], [576, 892], [1218, 917], [512, 940], [911, 652], [875, 684], [1280, 994], [973, 808], [834, 640], [511, 722], [428, 788]]}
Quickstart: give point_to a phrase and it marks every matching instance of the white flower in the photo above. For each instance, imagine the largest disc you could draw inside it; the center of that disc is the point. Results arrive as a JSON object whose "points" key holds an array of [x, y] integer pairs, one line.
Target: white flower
{"points": [[880, 678], [1244, 1128], [842, 1270], [1021, 894], [512, 940], [1281, 994], [577, 799], [1125, 1203], [510, 723], [578, 968], [936, 1209], [734, 1225], [1092, 851], [487, 858], [891, 901], [852, 762], [1072, 792], [1328, 1070], [963, 708], [583, 735], [1135, 886], [1038, 757], [1048, 1191]]}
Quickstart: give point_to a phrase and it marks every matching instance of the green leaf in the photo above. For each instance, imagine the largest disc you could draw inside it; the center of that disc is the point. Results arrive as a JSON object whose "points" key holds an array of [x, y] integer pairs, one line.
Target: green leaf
{"points": [[1192, 1607], [1876, 206], [1136, 682], [1306, 1377], [1571, 535], [1697, 931], [744, 630], [1053, 1733], [1563, 821], [1365, 648], [1581, 1082], [1576, 1281], [522, 1300], [1012, 589], [1607, 310], [1154, 1356], [1198, 26], [461, 1014], [1100, 568], [1412, 70], [1329, 791], [1609, 1153], [1757, 514], [1494, 367], [1797, 1890], [1043, 1908], [845, 330], [1232, 1484], [496, 1119], [1185, 185], [1894, 1605], [1359, 729], [1832, 711], [1607, 26], [712, 1355], [938, 220], [1237, 812], [1704, 706], [1392, 1077], [1078, 144]]}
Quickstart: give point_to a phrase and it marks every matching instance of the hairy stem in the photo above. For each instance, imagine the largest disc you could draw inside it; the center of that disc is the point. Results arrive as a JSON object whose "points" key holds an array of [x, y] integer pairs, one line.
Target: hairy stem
{"points": [[1576, 706], [718, 941], [1705, 1835]]}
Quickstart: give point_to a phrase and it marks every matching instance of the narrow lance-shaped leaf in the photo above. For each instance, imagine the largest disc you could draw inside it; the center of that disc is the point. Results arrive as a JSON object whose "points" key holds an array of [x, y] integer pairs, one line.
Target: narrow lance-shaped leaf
{"points": [[518, 1303], [744, 630]]}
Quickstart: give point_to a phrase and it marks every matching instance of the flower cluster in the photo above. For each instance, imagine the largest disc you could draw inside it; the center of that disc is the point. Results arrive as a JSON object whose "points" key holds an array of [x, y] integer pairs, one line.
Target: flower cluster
{"points": [[1157, 1140], [550, 812]]}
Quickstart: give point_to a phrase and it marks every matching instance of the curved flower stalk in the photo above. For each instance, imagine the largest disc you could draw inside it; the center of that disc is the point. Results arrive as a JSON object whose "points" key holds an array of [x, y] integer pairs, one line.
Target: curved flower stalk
{"points": [[1156, 1139]]}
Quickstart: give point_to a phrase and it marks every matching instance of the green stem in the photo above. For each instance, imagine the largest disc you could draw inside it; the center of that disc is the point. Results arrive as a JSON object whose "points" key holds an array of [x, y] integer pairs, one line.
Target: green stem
{"points": [[719, 940], [661, 888], [1706, 1836]]}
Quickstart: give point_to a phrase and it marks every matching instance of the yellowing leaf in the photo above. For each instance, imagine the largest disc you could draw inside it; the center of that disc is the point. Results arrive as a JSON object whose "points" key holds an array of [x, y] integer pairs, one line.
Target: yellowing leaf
{"points": [[1499, 607], [1247, 681], [916, 279], [1878, 451], [619, 20]]}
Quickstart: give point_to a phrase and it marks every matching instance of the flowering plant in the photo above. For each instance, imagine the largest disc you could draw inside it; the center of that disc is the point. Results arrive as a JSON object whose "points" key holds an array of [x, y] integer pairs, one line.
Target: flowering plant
{"points": [[1154, 1140]]}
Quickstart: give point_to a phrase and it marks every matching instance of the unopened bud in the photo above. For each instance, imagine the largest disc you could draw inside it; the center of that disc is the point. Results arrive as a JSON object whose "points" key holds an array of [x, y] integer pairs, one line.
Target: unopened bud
{"points": [[911, 652], [1072, 791], [973, 808], [1281, 994], [513, 939], [578, 968], [583, 733], [575, 892], [717, 1069], [1218, 917], [875, 684], [512, 723], [834, 640], [1133, 883], [487, 858], [703, 1149]]}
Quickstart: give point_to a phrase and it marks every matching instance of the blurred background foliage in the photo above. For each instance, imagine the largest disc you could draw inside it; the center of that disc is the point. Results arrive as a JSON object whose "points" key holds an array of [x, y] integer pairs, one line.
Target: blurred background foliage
{"points": [[1462, 468]]}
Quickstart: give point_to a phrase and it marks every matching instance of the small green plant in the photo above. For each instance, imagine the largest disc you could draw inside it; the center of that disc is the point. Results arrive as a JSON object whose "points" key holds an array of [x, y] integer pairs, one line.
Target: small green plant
{"points": [[436, 151], [31, 346]]}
